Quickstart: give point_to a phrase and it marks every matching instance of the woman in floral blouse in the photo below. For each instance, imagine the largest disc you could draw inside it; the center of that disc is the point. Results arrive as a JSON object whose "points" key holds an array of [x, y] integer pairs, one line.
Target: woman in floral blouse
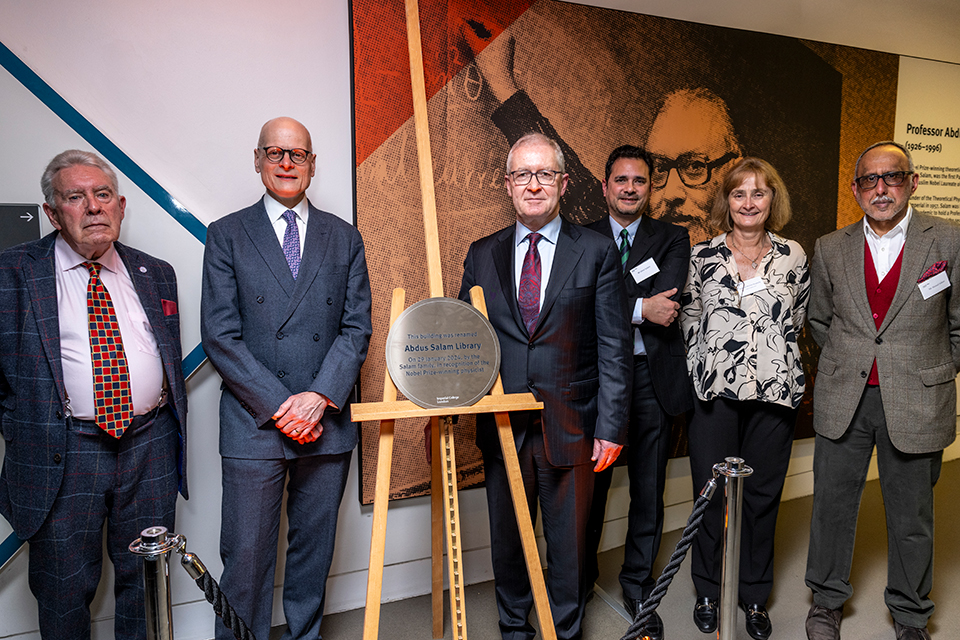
{"points": [[743, 306]]}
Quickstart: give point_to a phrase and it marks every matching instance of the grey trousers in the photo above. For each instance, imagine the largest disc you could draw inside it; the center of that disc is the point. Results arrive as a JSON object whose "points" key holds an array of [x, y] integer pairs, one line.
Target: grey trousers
{"points": [[907, 481]]}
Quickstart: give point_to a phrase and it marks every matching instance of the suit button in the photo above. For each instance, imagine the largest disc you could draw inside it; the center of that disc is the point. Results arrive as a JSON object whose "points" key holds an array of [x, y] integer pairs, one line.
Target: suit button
{"points": [[863, 374], [316, 337], [59, 415], [315, 374], [329, 300], [57, 458], [530, 346], [531, 384], [279, 335], [259, 299], [281, 373], [879, 340]]}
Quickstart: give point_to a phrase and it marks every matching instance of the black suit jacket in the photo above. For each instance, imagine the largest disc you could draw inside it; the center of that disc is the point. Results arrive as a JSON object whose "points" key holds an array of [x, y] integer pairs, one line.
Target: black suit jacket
{"points": [[33, 398], [577, 362], [669, 246]]}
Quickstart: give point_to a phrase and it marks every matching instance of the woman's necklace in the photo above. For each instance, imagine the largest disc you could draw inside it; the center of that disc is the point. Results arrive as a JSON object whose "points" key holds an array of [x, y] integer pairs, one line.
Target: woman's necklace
{"points": [[753, 261]]}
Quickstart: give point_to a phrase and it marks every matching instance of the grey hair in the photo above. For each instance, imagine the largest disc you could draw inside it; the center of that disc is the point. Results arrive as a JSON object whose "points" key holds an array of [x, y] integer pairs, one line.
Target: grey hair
{"points": [[536, 138], [884, 143], [72, 158]]}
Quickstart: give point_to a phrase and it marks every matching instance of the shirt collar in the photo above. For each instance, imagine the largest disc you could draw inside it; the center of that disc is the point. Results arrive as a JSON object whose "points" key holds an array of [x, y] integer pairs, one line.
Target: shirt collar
{"points": [[901, 227], [275, 210], [631, 228], [68, 259], [549, 231]]}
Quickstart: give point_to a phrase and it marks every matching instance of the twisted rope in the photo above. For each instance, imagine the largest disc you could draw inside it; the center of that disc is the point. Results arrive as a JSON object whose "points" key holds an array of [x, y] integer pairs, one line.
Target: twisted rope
{"points": [[669, 571], [211, 590]]}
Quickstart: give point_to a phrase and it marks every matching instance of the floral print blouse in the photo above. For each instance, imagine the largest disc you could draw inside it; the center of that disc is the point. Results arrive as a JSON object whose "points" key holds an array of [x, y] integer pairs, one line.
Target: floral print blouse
{"points": [[743, 346]]}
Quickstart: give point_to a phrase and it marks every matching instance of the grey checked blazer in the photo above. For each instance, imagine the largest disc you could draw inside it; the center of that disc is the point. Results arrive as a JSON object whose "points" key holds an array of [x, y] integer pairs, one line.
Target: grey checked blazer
{"points": [[917, 348]]}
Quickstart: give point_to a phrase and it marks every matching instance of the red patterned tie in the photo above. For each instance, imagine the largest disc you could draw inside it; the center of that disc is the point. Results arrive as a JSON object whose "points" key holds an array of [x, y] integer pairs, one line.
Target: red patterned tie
{"points": [[111, 376], [529, 294]]}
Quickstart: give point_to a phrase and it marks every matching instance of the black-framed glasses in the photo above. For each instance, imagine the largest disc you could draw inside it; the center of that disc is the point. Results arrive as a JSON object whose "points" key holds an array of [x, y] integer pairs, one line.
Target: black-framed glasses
{"points": [[891, 179], [545, 177], [694, 169], [275, 154]]}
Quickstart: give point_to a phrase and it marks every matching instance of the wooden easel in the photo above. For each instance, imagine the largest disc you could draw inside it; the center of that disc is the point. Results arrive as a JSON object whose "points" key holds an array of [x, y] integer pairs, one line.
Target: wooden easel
{"points": [[443, 479]]}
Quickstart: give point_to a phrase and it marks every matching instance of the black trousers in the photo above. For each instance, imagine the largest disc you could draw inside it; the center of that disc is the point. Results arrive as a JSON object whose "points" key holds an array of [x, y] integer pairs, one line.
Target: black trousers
{"points": [[762, 434]]}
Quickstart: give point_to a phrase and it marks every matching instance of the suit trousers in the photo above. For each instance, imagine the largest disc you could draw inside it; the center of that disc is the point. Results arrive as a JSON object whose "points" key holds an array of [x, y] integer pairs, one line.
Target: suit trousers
{"points": [[647, 451], [252, 500], [906, 481], [762, 434], [564, 495], [131, 482]]}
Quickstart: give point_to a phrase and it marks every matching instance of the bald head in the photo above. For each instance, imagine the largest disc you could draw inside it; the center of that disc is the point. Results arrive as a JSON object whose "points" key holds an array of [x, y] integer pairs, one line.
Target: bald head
{"points": [[286, 180]]}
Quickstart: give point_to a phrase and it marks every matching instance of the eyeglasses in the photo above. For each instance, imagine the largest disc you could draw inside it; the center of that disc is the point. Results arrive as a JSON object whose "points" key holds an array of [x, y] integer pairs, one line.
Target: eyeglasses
{"points": [[545, 177], [694, 170], [275, 154], [891, 179]]}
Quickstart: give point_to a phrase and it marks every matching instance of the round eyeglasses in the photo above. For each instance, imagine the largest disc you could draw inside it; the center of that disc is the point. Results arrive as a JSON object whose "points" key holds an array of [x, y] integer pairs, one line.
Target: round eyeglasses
{"points": [[275, 154], [545, 177], [694, 170], [891, 179]]}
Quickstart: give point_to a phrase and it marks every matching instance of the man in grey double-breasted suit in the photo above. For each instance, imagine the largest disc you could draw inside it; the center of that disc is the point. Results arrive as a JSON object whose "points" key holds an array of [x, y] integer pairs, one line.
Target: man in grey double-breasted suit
{"points": [[885, 310], [286, 323]]}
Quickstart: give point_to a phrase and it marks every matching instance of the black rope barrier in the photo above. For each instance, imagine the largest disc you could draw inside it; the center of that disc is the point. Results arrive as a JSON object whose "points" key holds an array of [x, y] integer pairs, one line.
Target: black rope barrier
{"points": [[666, 576], [211, 590]]}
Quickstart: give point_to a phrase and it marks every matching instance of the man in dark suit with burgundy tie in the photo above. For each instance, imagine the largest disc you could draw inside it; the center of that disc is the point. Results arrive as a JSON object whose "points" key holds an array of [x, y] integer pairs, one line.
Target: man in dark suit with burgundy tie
{"points": [[92, 399], [655, 256], [285, 319], [885, 309], [555, 296]]}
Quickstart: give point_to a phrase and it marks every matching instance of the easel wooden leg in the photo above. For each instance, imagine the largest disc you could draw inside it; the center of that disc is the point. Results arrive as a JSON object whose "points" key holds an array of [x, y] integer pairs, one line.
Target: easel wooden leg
{"points": [[436, 529], [381, 499], [458, 613]]}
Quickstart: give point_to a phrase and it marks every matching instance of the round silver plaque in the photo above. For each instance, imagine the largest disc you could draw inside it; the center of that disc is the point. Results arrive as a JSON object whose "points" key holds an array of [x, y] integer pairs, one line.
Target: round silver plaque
{"points": [[442, 352]]}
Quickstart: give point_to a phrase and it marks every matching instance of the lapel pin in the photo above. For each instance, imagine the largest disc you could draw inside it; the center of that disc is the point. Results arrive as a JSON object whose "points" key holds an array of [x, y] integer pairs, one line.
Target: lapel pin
{"points": [[143, 269]]}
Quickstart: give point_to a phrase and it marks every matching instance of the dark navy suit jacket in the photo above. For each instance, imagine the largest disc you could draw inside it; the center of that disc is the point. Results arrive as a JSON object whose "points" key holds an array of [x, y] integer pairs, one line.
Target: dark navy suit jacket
{"points": [[271, 336], [33, 398], [578, 361]]}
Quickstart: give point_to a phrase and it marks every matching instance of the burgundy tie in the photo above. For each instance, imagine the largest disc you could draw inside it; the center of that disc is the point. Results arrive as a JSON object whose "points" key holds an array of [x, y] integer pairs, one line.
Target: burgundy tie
{"points": [[113, 403], [529, 297]]}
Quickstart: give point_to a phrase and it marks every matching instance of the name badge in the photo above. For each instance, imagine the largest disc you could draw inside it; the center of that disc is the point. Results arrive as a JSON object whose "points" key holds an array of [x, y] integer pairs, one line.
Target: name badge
{"points": [[752, 285], [934, 285], [644, 270]]}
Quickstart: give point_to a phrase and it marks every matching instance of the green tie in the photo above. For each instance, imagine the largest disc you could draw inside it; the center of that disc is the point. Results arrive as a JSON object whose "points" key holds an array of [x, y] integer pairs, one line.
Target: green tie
{"points": [[624, 248]]}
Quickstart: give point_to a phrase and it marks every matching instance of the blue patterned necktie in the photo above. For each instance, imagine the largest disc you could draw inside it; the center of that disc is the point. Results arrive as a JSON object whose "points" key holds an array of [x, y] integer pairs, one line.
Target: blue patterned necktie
{"points": [[291, 242], [529, 294], [624, 249]]}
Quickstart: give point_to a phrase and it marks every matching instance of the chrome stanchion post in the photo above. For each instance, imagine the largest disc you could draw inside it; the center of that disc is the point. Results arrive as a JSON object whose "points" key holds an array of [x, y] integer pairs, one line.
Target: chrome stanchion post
{"points": [[153, 545], [734, 470]]}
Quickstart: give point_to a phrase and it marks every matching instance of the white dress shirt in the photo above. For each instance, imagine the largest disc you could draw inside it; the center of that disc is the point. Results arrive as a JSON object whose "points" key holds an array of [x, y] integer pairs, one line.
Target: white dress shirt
{"points": [[139, 343], [275, 212], [546, 247], [886, 249]]}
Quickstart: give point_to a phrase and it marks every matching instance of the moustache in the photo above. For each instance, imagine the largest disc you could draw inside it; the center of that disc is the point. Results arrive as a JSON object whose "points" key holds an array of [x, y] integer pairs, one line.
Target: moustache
{"points": [[882, 200]]}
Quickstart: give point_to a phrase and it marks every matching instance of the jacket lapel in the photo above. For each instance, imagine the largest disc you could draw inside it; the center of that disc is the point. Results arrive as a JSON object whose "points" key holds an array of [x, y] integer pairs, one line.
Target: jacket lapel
{"points": [[259, 228], [503, 253], [565, 259], [853, 267], [916, 249], [643, 243], [314, 251], [40, 272]]}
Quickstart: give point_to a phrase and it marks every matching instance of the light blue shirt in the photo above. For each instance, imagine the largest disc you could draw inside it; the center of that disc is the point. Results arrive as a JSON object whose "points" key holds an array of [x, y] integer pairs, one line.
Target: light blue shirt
{"points": [[546, 247], [638, 347]]}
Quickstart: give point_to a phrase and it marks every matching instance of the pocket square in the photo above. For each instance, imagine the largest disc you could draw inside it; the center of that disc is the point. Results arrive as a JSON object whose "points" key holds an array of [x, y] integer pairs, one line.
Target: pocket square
{"points": [[169, 307], [937, 267]]}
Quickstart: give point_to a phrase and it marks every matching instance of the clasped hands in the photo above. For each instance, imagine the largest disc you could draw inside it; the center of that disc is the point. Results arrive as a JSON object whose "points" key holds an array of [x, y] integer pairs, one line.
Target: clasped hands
{"points": [[299, 416]]}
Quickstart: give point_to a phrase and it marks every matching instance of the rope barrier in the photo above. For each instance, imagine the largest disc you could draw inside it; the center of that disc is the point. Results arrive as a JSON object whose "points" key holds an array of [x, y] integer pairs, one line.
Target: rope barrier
{"points": [[211, 591], [669, 571]]}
